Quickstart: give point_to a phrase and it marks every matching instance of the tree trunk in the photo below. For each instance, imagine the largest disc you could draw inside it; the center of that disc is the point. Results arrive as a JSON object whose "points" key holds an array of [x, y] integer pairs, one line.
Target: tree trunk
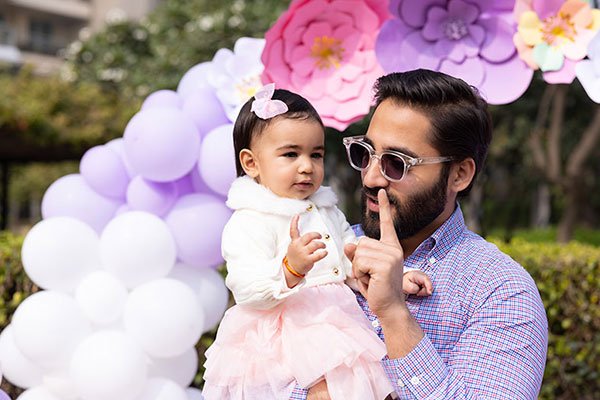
{"points": [[573, 199], [540, 215]]}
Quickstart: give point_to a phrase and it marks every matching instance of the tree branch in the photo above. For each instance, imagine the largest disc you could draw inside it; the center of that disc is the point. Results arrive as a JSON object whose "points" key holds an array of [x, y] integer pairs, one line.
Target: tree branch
{"points": [[555, 132], [535, 139], [584, 148]]}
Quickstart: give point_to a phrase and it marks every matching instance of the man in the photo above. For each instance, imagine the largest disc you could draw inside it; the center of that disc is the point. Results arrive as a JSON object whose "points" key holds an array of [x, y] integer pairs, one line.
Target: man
{"points": [[483, 332]]}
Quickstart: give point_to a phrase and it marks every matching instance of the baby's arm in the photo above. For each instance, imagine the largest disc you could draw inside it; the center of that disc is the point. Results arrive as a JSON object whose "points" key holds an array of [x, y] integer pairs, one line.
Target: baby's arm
{"points": [[417, 282]]}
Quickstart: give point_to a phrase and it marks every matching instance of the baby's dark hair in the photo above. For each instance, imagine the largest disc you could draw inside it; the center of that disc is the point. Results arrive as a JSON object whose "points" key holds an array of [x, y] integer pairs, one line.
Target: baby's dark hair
{"points": [[248, 125]]}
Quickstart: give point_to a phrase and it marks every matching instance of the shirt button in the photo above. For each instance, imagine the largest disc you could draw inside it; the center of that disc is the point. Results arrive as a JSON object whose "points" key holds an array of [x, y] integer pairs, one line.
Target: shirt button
{"points": [[327, 237], [400, 383], [415, 380], [432, 260], [375, 323], [336, 271], [309, 208]]}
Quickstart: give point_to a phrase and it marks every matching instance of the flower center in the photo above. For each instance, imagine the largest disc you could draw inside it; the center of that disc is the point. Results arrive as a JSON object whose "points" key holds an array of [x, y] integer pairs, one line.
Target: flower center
{"points": [[247, 87], [327, 52], [455, 29], [556, 27]]}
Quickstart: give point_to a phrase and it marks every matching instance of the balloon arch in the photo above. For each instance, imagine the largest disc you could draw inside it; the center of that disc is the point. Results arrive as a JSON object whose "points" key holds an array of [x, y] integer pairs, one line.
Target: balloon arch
{"points": [[128, 248]]}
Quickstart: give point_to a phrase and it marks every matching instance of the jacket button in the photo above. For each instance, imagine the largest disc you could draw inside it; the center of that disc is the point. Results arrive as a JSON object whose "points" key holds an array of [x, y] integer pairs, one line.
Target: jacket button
{"points": [[336, 271], [309, 208], [327, 237]]}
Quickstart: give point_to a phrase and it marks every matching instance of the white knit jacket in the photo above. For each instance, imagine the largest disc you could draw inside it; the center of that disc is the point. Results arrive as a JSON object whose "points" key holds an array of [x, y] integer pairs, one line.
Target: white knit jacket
{"points": [[256, 239]]}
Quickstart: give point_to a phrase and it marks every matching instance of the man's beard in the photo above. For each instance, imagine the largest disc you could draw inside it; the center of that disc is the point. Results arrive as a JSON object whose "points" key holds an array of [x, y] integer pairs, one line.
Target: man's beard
{"points": [[410, 217]]}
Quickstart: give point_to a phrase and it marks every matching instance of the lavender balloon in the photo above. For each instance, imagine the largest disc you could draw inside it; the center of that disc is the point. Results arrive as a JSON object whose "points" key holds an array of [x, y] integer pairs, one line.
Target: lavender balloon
{"points": [[71, 196], [104, 170], [216, 162], [154, 197], [196, 222], [3, 395], [161, 144], [205, 109], [118, 147], [162, 99], [195, 78]]}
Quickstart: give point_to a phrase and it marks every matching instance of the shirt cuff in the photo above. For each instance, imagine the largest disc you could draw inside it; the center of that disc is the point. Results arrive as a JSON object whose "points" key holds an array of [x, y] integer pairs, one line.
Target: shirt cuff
{"points": [[299, 393], [420, 373]]}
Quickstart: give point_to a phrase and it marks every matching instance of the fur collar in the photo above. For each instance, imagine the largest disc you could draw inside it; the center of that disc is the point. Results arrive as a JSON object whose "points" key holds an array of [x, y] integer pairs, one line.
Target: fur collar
{"points": [[245, 193]]}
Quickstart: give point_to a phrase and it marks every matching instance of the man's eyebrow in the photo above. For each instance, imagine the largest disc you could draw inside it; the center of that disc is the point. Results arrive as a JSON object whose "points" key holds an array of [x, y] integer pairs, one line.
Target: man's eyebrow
{"points": [[402, 150]]}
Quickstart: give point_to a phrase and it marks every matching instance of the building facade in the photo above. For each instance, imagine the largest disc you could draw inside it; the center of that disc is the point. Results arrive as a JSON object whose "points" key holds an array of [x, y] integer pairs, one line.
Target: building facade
{"points": [[35, 31]]}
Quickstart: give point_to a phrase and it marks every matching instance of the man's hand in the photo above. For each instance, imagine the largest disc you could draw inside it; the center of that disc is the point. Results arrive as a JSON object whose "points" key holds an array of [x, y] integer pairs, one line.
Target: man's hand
{"points": [[318, 392], [378, 264]]}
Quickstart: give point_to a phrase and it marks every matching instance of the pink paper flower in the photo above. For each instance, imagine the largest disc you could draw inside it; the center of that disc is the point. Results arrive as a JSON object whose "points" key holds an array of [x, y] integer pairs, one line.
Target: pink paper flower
{"points": [[554, 35], [324, 50], [588, 71], [469, 39]]}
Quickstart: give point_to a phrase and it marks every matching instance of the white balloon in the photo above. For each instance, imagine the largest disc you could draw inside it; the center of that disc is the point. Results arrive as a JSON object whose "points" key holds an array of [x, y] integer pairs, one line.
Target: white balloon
{"points": [[194, 394], [60, 384], [38, 393], [162, 389], [180, 369], [47, 327], [164, 317], [137, 247], [102, 297], [109, 365], [210, 289], [18, 369], [58, 252]]}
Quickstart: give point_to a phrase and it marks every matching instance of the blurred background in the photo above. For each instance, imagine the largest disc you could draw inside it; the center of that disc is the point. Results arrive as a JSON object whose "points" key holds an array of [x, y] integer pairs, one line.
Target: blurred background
{"points": [[73, 72]]}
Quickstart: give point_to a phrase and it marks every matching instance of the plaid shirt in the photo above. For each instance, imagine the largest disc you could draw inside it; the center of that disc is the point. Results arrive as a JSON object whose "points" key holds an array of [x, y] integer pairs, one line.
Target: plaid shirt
{"points": [[486, 332]]}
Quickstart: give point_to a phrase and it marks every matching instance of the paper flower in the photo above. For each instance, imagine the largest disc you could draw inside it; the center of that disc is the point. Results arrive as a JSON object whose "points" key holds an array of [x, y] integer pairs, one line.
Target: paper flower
{"points": [[324, 50], [554, 35], [236, 74], [468, 39], [588, 71]]}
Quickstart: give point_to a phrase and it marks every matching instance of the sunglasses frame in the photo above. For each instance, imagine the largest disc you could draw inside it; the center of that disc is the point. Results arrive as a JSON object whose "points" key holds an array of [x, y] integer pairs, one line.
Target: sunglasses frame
{"points": [[409, 161]]}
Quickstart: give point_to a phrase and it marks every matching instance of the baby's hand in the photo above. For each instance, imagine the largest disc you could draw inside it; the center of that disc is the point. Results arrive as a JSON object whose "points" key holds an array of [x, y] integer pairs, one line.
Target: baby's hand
{"points": [[417, 282], [304, 251]]}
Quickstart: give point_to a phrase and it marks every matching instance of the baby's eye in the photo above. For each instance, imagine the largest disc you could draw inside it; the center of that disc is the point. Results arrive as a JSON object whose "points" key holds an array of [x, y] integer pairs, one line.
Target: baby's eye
{"points": [[316, 155], [290, 154]]}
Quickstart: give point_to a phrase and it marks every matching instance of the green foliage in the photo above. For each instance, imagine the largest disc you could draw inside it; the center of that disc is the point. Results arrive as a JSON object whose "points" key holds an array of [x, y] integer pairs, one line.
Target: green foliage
{"points": [[14, 283], [137, 58], [581, 235], [51, 110], [568, 278]]}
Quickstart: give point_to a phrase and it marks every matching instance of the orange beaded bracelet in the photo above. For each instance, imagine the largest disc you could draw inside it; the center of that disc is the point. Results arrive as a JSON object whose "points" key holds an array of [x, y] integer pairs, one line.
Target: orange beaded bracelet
{"points": [[290, 269]]}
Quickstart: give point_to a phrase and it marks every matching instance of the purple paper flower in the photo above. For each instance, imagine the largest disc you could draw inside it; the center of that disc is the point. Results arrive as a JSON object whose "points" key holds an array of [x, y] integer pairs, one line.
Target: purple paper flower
{"points": [[469, 39]]}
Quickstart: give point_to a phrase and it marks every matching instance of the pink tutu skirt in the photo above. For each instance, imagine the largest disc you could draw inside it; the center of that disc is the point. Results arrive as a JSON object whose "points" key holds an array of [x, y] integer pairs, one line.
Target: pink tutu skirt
{"points": [[318, 333]]}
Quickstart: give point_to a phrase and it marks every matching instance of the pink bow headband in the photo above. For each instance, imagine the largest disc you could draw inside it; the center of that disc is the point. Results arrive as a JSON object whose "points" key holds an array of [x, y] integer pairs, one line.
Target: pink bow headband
{"points": [[264, 107]]}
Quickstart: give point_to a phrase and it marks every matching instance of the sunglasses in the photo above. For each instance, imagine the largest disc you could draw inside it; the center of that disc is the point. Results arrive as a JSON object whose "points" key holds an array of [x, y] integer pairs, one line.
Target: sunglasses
{"points": [[392, 164]]}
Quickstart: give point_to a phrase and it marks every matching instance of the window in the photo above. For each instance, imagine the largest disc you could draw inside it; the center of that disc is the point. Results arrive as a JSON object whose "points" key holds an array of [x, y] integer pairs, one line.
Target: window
{"points": [[40, 34]]}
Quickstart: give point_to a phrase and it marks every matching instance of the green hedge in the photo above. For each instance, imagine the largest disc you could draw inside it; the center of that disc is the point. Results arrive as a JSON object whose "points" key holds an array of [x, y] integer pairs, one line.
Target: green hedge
{"points": [[568, 277]]}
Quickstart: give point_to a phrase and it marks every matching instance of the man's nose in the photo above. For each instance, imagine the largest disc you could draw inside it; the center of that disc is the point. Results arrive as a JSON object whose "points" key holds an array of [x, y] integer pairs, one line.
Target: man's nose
{"points": [[372, 176]]}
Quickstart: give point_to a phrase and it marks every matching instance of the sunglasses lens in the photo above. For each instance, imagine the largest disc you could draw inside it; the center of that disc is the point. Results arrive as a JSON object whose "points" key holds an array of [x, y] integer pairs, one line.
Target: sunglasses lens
{"points": [[359, 155], [393, 166]]}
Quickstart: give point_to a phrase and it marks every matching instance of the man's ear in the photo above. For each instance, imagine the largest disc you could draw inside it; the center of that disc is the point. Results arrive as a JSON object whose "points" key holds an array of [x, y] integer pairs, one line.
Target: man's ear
{"points": [[461, 175], [248, 162]]}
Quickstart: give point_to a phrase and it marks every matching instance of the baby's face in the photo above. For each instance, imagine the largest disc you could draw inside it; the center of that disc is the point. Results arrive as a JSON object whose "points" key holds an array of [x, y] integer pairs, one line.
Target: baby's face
{"points": [[289, 154]]}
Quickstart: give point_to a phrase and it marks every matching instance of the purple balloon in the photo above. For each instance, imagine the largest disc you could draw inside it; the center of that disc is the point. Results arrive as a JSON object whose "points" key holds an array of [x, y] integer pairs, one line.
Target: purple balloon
{"points": [[162, 99], [118, 146], [185, 184], [154, 197], [104, 170], [195, 78], [3, 395], [196, 222], [201, 187], [161, 144], [205, 109], [71, 196], [216, 162]]}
